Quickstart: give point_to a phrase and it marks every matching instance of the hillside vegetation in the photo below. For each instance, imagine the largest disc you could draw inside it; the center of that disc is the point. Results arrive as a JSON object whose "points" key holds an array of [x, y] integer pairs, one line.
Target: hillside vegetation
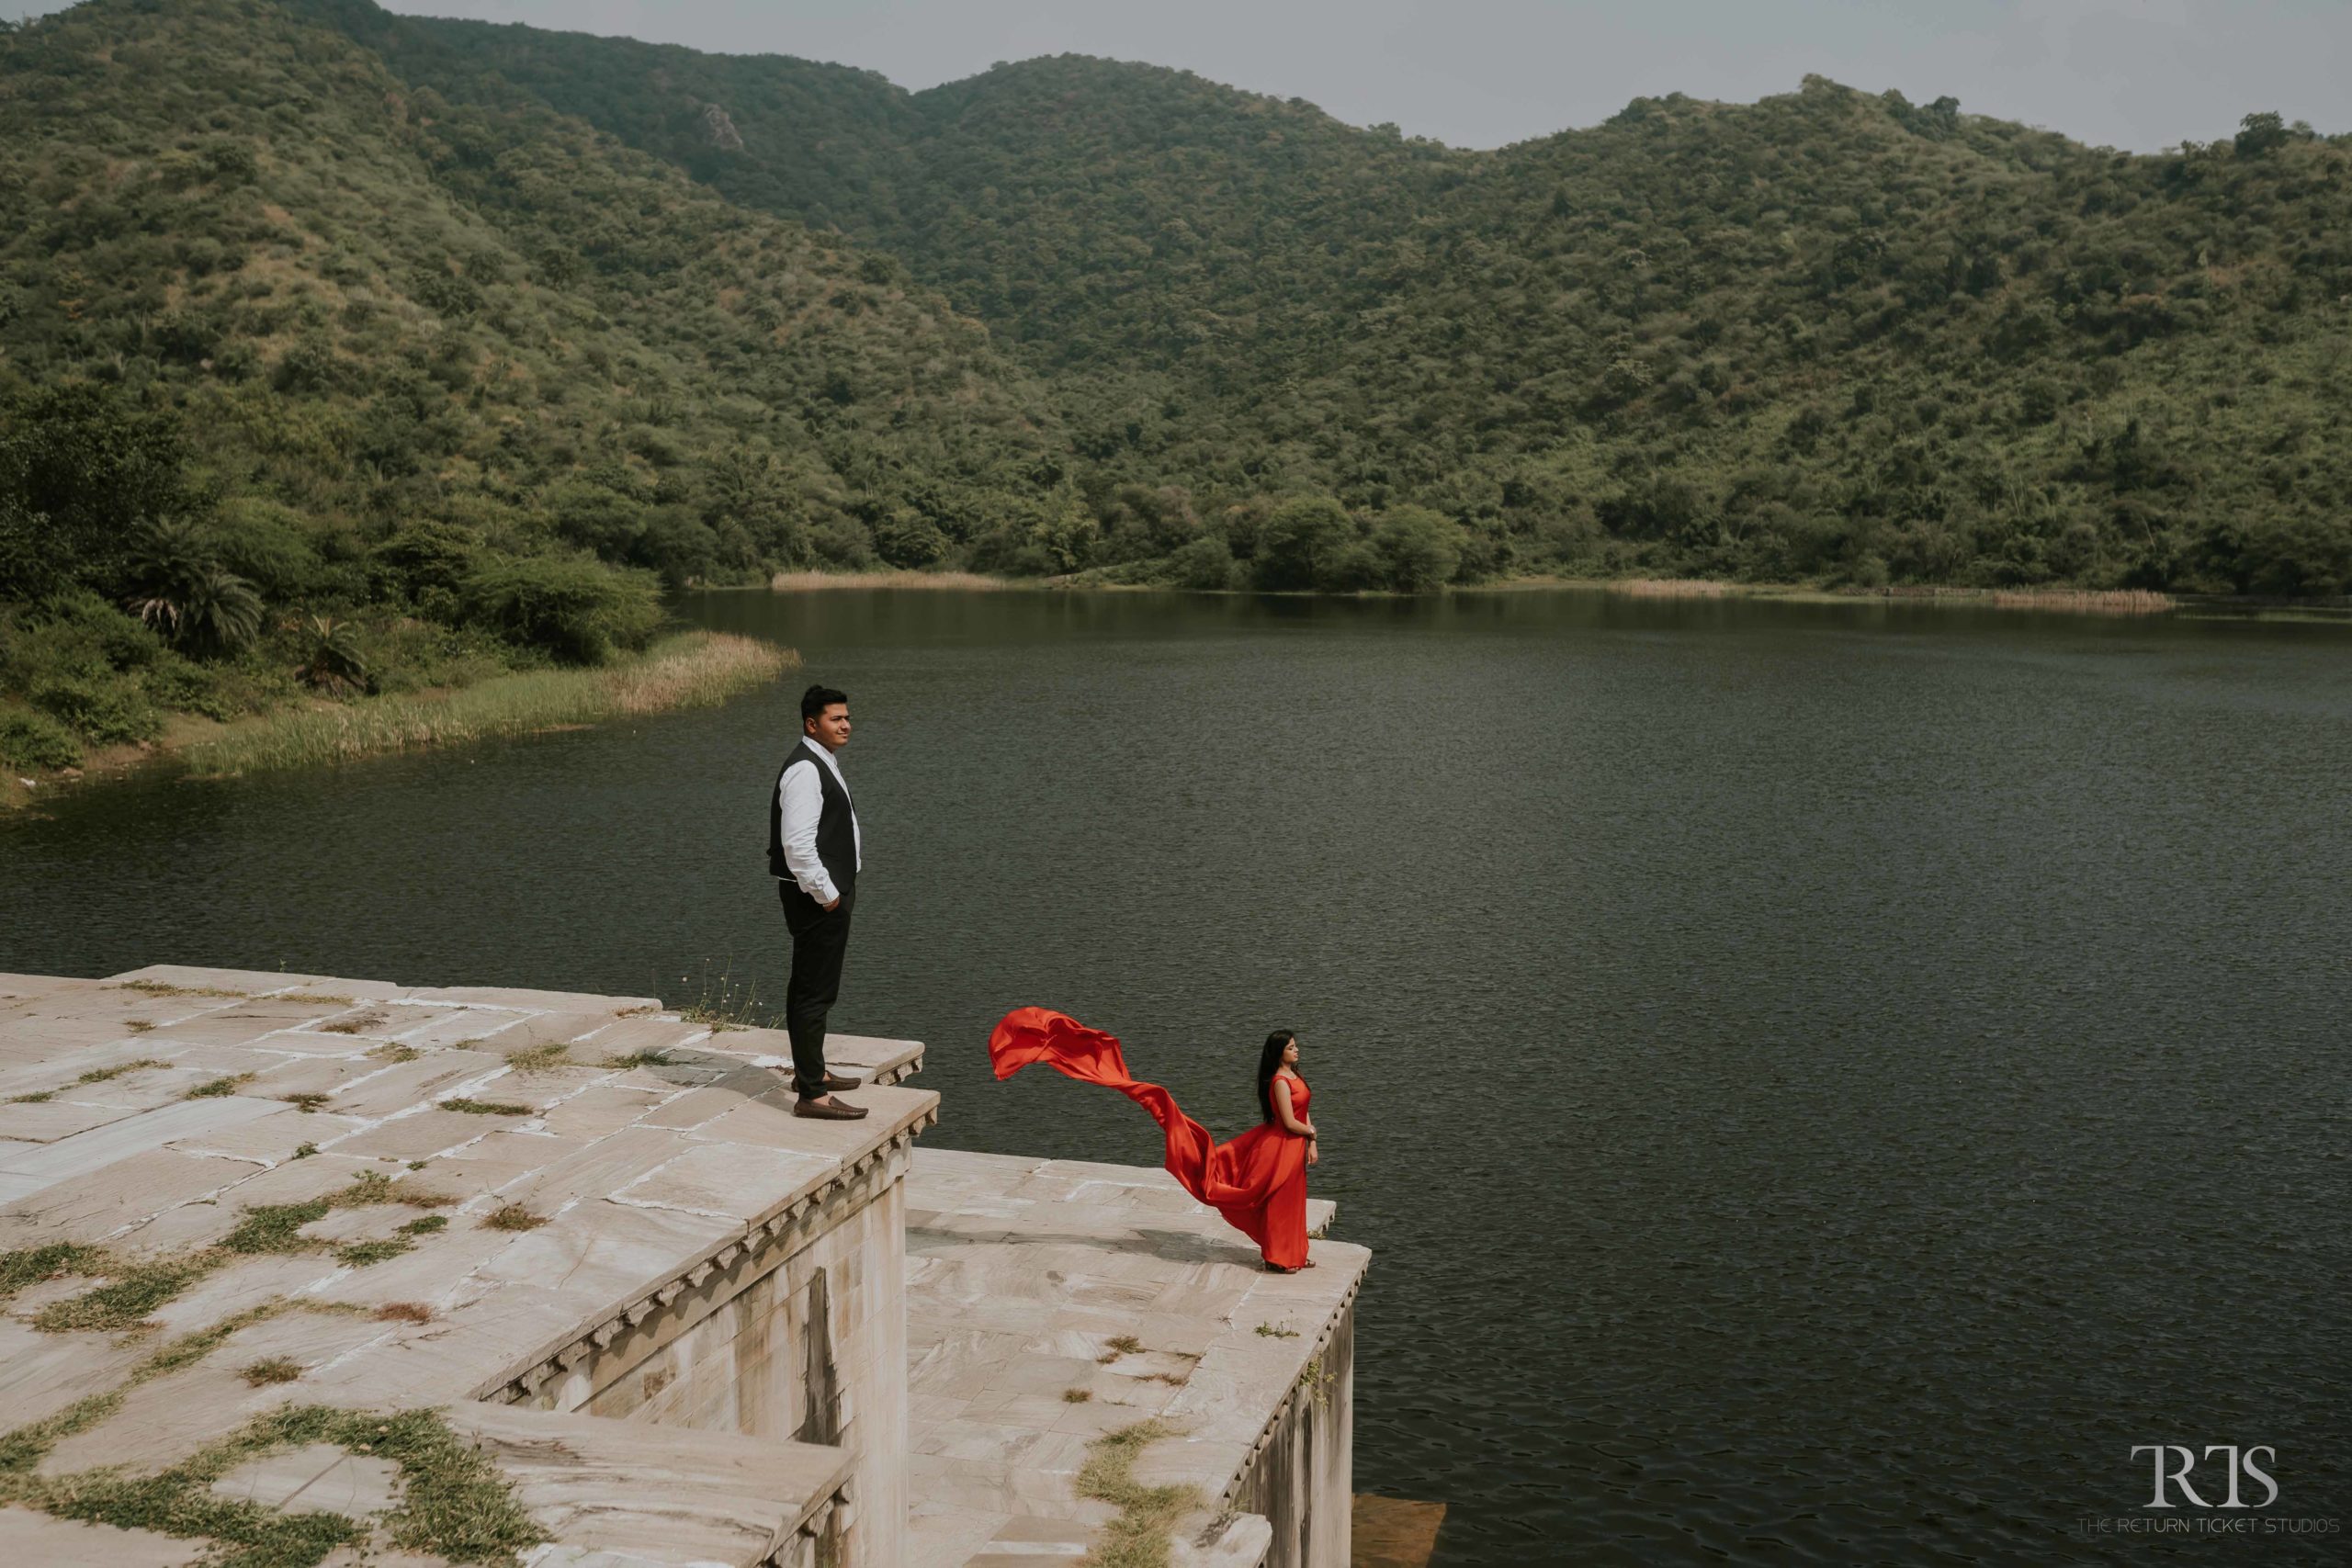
{"points": [[343, 351], [315, 384], [1829, 336]]}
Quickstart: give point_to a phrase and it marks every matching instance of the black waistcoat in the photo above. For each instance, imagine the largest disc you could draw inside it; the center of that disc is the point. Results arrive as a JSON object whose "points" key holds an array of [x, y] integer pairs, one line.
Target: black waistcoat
{"points": [[836, 828]]}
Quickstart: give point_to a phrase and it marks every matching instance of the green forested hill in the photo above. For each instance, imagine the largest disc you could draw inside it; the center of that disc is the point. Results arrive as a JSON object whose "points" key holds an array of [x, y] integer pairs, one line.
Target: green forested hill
{"points": [[369, 304], [284, 335], [441, 324], [1827, 335]]}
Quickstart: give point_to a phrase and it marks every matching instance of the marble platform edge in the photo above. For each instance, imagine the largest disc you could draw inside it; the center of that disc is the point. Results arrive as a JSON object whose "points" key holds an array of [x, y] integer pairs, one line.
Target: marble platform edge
{"points": [[882, 1062], [260, 983], [660, 1495], [748, 1254], [1338, 1315]]}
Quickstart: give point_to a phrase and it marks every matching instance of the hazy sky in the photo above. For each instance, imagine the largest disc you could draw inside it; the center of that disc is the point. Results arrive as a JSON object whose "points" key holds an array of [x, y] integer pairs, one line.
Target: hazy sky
{"points": [[2135, 73]]}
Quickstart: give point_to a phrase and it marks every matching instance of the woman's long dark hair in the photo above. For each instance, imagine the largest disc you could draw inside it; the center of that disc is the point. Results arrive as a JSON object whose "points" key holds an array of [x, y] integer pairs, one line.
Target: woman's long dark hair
{"points": [[1270, 1062]]}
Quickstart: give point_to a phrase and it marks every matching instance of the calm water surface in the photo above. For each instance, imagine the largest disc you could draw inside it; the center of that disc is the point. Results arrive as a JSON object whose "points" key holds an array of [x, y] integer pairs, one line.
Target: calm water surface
{"points": [[1822, 1082]]}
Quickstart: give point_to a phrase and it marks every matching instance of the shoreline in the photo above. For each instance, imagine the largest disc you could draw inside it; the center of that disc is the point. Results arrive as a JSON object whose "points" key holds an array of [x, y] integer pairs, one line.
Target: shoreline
{"points": [[686, 670], [2043, 601]]}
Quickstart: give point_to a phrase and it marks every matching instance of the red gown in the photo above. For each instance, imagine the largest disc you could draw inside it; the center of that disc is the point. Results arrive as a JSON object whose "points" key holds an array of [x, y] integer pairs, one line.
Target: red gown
{"points": [[1258, 1181]]}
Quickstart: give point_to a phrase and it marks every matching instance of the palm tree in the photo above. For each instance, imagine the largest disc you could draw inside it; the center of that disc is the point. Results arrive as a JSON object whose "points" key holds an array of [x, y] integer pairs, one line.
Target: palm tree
{"points": [[335, 664], [186, 594]]}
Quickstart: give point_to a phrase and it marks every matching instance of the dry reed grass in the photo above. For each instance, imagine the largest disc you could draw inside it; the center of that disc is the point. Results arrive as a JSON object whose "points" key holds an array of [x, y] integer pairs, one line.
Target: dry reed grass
{"points": [[800, 581], [2085, 601], [1671, 588], [696, 670]]}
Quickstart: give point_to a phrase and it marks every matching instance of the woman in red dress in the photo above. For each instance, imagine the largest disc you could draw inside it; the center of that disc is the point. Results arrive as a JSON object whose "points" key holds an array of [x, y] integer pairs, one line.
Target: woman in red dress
{"points": [[1258, 1181]]}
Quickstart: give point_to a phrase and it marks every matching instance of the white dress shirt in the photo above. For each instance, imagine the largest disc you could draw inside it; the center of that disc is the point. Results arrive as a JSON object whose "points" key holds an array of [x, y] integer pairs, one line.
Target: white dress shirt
{"points": [[804, 803]]}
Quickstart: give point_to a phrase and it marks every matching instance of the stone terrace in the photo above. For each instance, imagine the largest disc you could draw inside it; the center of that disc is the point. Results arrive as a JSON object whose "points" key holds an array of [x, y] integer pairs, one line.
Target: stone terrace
{"points": [[1033, 1282], [588, 1235], [654, 1169]]}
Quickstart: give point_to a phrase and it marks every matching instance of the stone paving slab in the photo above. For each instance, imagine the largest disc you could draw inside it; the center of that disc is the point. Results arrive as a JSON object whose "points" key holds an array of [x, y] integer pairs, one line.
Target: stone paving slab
{"points": [[54, 1118], [317, 1478], [93, 1206], [30, 1538], [40, 1374], [394, 1087]]}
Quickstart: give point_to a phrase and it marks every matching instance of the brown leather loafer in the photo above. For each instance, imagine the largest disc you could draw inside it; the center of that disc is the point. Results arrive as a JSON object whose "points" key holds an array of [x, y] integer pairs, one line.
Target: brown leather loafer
{"points": [[836, 1111], [835, 1082]]}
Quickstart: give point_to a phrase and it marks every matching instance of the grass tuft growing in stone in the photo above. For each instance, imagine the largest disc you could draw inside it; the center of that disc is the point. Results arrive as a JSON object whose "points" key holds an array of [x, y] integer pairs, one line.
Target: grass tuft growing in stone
{"points": [[360, 1025], [127, 1300], [514, 1217], [1272, 1332], [360, 1254], [1076, 1395], [134, 1291], [1126, 1343], [275, 1369], [275, 1227], [101, 1075], [218, 1087], [425, 1225], [454, 1504], [138, 1025], [31, 1265], [158, 989], [639, 1059], [724, 1004], [404, 1311], [540, 1058], [179, 1501], [32, 1098], [393, 1053], [305, 1102], [1142, 1535], [486, 1107]]}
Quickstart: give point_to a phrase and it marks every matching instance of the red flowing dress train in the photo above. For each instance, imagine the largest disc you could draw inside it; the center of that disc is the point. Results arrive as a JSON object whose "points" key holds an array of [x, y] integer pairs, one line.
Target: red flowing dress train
{"points": [[1258, 1181]]}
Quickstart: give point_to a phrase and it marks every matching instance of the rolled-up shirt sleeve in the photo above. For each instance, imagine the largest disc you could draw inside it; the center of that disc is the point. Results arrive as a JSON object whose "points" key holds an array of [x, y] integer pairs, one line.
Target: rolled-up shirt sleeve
{"points": [[804, 803]]}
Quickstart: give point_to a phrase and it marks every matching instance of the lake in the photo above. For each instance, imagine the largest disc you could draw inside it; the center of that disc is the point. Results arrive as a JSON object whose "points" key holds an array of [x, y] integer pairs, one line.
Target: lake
{"points": [[1822, 1082]]}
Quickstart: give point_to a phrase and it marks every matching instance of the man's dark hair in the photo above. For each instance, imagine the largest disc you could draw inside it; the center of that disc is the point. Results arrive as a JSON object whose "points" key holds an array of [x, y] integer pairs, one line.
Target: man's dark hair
{"points": [[817, 699]]}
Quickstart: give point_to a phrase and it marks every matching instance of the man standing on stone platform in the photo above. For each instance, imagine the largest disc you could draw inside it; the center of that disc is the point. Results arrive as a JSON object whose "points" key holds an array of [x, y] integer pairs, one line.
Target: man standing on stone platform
{"points": [[814, 852]]}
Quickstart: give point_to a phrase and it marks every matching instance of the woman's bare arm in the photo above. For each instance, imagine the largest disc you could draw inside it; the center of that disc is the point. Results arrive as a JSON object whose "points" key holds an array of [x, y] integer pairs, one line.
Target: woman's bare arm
{"points": [[1290, 1121]]}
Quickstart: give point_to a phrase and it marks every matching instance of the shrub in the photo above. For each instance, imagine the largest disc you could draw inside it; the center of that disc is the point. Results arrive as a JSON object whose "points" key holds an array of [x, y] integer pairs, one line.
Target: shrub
{"points": [[1205, 563], [30, 739], [408, 655], [81, 633], [423, 558], [266, 545], [1419, 550], [678, 545], [576, 609], [1293, 542], [106, 713], [1349, 568], [174, 682]]}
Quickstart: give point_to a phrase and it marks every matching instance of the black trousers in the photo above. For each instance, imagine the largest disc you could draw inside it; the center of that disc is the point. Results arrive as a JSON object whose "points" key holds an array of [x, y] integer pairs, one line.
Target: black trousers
{"points": [[819, 942]]}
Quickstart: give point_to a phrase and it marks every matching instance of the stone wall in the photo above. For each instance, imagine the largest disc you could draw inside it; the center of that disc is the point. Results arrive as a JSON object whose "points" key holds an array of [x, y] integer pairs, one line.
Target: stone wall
{"points": [[1302, 1475], [801, 1336]]}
